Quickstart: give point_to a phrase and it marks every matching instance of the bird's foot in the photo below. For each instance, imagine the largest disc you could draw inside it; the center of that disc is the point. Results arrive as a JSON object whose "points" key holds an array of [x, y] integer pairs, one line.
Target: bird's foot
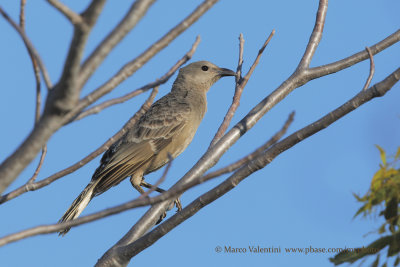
{"points": [[178, 204]]}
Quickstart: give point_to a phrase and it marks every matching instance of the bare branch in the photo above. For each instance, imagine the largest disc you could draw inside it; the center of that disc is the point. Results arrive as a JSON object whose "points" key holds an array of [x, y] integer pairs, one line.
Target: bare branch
{"points": [[316, 35], [30, 48], [260, 162], [37, 185], [131, 67], [371, 69], [234, 166], [236, 97], [239, 89], [240, 60], [66, 93], [41, 160], [22, 14], [159, 81], [134, 15], [73, 17], [327, 69], [36, 71]]}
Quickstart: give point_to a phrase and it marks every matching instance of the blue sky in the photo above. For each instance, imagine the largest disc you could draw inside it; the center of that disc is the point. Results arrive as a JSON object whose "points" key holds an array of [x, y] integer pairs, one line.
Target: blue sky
{"points": [[302, 199]]}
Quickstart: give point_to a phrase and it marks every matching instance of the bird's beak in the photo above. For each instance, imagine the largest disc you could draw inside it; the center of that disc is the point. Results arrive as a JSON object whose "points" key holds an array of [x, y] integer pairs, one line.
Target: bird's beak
{"points": [[226, 72]]}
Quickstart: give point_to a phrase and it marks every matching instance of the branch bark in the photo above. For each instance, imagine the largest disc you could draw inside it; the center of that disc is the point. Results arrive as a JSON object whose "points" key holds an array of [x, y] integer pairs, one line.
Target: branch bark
{"points": [[30, 48], [73, 17]]}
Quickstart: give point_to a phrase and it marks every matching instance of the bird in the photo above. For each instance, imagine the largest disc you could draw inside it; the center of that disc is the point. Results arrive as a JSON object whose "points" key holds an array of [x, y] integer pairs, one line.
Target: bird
{"points": [[162, 133]]}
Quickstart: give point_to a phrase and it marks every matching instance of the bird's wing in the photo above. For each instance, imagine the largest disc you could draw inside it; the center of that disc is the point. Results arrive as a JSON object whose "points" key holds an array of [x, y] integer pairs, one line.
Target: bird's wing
{"points": [[152, 133]]}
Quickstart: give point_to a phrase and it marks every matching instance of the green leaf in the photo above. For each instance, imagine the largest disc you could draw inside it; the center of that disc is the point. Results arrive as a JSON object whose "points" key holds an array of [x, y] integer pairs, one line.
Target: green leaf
{"points": [[397, 261], [397, 153], [360, 199], [383, 154], [382, 229], [360, 210], [394, 248], [376, 262]]}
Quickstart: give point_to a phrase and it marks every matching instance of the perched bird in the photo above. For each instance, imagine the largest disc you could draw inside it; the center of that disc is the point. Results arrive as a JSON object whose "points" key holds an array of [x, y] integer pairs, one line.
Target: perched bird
{"points": [[163, 132]]}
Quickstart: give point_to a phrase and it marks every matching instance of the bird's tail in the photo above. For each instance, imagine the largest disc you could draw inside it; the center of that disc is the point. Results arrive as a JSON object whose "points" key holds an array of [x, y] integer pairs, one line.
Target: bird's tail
{"points": [[78, 205]]}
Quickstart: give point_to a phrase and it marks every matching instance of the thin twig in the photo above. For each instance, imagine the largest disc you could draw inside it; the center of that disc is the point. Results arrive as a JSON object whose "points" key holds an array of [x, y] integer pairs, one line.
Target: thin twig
{"points": [[316, 35], [22, 14], [236, 165], [30, 47], [97, 108], [371, 68], [67, 12], [240, 84], [260, 162], [36, 72], [34, 186], [161, 180], [323, 70], [36, 173], [238, 76]]}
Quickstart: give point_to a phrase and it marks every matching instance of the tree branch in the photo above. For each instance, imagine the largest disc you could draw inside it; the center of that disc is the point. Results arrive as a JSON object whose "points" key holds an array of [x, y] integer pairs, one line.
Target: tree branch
{"points": [[134, 15], [59, 100], [240, 84], [66, 93], [30, 48], [330, 68], [73, 17], [36, 72], [316, 35], [22, 14], [371, 69], [234, 166]]}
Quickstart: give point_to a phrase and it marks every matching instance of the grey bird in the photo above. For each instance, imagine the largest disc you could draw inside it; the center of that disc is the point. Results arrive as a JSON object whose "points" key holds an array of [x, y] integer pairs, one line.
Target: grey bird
{"points": [[162, 133]]}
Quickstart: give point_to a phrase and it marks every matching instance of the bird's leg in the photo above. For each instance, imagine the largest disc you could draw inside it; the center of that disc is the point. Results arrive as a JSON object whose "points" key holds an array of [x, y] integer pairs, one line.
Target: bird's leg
{"points": [[177, 202], [147, 185], [136, 184]]}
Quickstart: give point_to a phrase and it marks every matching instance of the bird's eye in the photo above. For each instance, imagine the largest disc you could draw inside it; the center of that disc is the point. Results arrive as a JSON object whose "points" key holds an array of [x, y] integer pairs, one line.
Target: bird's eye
{"points": [[204, 68]]}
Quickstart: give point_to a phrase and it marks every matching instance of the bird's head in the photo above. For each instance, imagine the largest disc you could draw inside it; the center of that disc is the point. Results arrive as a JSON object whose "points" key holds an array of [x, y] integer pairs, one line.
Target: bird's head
{"points": [[201, 75]]}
